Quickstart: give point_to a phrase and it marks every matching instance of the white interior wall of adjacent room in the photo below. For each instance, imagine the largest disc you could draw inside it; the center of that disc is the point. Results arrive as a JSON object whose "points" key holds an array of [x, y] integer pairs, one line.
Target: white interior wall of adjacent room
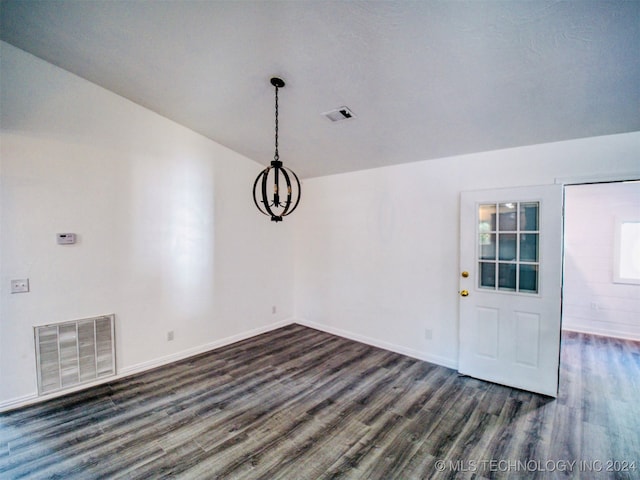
{"points": [[377, 250], [592, 301], [168, 236]]}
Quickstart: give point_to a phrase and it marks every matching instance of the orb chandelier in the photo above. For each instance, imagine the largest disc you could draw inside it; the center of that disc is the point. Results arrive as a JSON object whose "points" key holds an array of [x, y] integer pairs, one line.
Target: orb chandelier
{"points": [[273, 191]]}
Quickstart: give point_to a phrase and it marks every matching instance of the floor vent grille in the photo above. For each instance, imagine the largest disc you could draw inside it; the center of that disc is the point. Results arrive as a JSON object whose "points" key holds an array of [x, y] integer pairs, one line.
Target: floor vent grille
{"points": [[73, 353]]}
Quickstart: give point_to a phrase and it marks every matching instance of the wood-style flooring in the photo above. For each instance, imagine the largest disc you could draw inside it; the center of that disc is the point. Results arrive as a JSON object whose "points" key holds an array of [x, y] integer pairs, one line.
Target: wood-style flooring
{"points": [[297, 403]]}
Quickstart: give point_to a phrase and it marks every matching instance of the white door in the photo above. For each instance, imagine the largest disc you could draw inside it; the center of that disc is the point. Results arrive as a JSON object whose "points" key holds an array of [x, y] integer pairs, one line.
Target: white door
{"points": [[510, 286]]}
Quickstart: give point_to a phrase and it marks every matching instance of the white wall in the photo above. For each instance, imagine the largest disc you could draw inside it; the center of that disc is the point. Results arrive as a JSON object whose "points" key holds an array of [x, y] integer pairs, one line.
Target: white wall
{"points": [[377, 250], [169, 237], [592, 301]]}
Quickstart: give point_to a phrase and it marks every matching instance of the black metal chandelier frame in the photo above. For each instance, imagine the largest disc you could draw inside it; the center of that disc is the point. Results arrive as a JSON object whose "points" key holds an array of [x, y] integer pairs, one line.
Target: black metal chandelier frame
{"points": [[274, 206]]}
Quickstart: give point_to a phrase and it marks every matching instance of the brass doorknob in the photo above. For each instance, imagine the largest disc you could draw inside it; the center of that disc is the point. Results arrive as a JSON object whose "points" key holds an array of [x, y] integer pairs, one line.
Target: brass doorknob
{"points": [[464, 293]]}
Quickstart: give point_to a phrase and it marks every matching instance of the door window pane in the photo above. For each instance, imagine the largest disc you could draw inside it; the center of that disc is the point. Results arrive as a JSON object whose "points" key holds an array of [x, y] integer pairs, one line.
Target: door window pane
{"points": [[507, 276], [487, 218], [529, 247], [487, 275], [487, 246], [529, 216], [507, 220], [507, 248], [528, 278]]}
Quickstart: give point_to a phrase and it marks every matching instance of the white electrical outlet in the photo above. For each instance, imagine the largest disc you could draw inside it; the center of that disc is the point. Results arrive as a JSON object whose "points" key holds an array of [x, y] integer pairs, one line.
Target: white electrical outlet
{"points": [[20, 286], [428, 334], [274, 309], [170, 336]]}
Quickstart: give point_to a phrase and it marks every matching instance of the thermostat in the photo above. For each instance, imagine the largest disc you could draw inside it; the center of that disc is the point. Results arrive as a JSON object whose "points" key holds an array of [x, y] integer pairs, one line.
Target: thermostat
{"points": [[66, 238]]}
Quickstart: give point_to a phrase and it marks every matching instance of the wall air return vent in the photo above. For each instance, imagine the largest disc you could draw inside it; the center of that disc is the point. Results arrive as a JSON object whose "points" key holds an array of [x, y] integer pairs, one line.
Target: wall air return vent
{"points": [[340, 113], [73, 353]]}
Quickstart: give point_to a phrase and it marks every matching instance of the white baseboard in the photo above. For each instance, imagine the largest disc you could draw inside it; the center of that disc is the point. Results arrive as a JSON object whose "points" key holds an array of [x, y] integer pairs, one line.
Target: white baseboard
{"points": [[603, 332], [420, 355], [33, 398], [174, 357], [19, 402]]}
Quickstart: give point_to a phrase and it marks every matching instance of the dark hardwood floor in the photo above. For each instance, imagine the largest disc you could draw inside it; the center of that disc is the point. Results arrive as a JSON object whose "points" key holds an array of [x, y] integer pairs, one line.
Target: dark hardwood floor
{"points": [[297, 403]]}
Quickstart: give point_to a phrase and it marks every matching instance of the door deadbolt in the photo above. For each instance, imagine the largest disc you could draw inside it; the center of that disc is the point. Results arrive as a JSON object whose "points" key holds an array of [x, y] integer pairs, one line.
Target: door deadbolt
{"points": [[465, 274]]}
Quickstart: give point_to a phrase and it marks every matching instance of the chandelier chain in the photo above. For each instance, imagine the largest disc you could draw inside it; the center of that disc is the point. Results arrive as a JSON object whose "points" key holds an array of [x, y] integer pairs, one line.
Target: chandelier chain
{"points": [[276, 156]]}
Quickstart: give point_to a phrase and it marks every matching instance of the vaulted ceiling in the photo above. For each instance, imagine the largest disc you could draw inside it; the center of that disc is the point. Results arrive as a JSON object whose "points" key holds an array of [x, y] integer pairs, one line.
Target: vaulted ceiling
{"points": [[425, 79]]}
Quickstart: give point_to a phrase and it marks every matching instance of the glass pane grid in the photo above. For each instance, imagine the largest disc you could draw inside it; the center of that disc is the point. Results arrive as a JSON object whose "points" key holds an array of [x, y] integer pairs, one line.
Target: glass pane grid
{"points": [[508, 246]]}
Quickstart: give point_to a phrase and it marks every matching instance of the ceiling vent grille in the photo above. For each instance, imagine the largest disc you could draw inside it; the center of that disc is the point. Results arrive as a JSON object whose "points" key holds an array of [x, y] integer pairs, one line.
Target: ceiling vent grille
{"points": [[339, 114]]}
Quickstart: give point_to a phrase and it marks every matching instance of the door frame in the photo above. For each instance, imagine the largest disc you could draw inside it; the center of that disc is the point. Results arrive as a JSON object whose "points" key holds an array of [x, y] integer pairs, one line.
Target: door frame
{"points": [[586, 180], [601, 178], [582, 180]]}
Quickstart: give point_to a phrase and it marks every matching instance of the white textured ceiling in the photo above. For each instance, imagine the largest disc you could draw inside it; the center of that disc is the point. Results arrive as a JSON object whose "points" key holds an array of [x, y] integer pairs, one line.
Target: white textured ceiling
{"points": [[426, 79]]}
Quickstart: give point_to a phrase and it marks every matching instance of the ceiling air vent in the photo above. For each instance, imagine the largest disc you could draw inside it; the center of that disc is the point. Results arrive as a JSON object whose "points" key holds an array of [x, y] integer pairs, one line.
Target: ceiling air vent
{"points": [[340, 113]]}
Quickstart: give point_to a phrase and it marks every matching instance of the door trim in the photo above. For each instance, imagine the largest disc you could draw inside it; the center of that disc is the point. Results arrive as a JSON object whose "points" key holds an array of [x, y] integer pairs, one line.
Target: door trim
{"points": [[600, 178]]}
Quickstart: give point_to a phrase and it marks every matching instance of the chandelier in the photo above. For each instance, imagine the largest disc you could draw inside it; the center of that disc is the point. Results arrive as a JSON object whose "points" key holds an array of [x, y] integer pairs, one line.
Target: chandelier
{"points": [[273, 191]]}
